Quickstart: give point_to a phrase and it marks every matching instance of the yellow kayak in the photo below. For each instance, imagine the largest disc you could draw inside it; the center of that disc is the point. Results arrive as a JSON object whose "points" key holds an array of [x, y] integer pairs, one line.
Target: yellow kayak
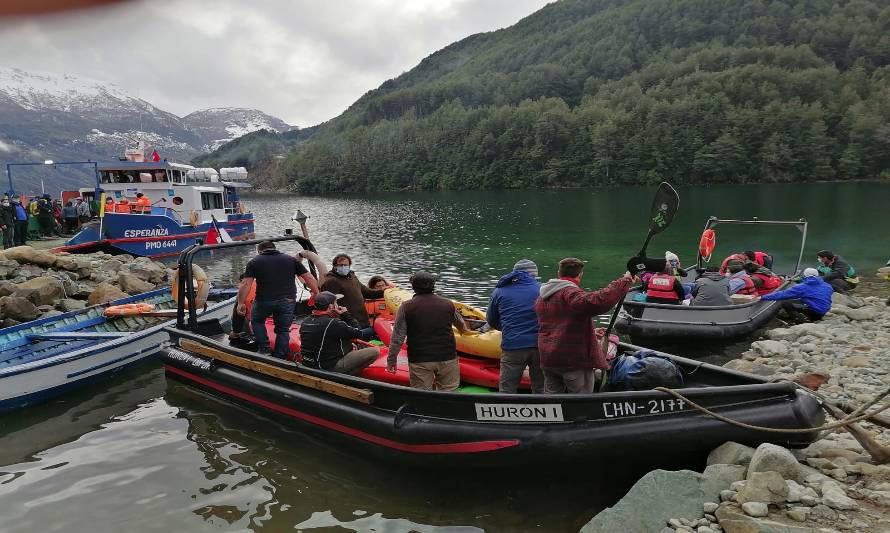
{"points": [[483, 344]]}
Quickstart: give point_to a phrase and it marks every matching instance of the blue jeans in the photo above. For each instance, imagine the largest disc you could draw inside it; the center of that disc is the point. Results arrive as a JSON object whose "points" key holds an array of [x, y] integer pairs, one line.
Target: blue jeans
{"points": [[282, 311]]}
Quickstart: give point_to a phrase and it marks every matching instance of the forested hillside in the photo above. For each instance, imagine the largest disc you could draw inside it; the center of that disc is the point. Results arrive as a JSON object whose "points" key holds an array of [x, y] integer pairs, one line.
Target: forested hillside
{"points": [[605, 92]]}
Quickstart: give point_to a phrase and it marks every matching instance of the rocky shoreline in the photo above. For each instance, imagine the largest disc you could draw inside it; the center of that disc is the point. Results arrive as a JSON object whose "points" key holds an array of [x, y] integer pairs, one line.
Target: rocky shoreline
{"points": [[39, 283], [832, 485]]}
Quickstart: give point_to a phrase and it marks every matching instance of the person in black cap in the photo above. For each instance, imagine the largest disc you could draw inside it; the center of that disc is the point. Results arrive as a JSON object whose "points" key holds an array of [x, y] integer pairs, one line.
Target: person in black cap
{"points": [[326, 338], [426, 321]]}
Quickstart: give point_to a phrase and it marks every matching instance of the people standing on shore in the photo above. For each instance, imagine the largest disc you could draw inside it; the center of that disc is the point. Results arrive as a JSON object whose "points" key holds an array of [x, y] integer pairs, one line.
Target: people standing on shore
{"points": [[326, 338], [83, 212], [21, 222], [511, 309], [274, 274], [566, 339], [809, 300], [836, 271], [7, 222], [342, 280], [45, 216], [426, 320], [69, 217]]}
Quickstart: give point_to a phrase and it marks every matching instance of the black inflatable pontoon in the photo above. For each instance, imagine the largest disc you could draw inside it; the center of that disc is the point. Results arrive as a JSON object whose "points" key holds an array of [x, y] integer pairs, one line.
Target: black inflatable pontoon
{"points": [[491, 430]]}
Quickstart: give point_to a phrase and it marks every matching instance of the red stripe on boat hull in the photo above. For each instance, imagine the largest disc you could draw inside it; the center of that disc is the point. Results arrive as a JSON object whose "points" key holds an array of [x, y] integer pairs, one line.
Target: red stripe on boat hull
{"points": [[456, 447]]}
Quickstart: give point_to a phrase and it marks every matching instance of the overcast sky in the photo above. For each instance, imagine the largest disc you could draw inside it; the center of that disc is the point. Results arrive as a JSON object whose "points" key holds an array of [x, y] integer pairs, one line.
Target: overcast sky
{"points": [[302, 61]]}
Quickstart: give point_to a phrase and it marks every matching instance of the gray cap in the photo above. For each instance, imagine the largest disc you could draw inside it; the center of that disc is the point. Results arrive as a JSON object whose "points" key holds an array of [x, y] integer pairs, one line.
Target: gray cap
{"points": [[423, 280], [526, 265], [325, 298]]}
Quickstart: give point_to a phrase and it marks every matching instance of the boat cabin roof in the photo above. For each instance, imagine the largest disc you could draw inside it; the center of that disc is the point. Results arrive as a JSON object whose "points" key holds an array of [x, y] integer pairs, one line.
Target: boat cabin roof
{"points": [[143, 165]]}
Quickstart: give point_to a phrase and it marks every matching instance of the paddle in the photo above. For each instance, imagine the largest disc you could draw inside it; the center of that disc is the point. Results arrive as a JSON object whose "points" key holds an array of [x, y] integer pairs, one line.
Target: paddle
{"points": [[661, 214]]}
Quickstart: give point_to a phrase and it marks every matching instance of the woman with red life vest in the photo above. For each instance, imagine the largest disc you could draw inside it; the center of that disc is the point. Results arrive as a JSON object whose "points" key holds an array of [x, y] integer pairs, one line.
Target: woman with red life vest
{"points": [[763, 278], [664, 288], [761, 258]]}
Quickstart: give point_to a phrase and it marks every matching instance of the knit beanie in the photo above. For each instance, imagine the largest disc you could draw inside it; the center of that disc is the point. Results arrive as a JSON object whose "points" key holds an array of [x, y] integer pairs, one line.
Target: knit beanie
{"points": [[810, 273], [526, 265]]}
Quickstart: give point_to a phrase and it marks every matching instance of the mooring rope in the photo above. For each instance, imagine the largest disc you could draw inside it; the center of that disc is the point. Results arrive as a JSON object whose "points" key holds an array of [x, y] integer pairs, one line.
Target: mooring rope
{"points": [[852, 419]]}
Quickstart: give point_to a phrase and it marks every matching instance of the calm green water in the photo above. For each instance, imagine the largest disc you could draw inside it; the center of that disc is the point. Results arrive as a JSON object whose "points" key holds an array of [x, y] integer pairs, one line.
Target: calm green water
{"points": [[139, 453]]}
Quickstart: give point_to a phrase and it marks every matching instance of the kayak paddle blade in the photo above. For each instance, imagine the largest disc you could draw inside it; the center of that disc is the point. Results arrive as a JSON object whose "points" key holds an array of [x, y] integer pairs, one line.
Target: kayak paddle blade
{"points": [[664, 207]]}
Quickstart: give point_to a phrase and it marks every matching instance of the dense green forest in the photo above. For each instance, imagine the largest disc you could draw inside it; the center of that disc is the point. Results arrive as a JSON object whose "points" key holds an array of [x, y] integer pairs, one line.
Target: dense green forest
{"points": [[606, 92]]}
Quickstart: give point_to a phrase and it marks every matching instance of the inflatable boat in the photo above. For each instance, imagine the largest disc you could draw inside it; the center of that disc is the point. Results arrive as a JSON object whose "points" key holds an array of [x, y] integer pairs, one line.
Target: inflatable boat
{"points": [[450, 429], [646, 320]]}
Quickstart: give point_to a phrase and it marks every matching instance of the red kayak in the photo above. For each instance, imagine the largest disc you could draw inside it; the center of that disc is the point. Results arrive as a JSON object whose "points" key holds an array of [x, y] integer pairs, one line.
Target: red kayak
{"points": [[473, 370]]}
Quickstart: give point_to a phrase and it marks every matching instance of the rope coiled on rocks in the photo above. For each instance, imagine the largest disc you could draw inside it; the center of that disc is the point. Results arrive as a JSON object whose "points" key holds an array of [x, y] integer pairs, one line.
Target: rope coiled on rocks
{"points": [[852, 419]]}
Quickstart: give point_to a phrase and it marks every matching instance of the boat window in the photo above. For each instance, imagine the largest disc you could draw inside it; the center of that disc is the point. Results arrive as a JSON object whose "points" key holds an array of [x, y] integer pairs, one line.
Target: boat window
{"points": [[177, 200], [211, 200], [159, 176]]}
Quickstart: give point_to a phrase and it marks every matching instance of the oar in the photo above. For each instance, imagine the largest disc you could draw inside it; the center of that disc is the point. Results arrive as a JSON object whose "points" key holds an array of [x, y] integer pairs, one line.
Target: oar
{"points": [[664, 207]]}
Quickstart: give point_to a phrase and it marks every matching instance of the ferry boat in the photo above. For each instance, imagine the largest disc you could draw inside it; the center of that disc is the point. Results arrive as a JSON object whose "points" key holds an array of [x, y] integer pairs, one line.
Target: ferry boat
{"points": [[186, 204]]}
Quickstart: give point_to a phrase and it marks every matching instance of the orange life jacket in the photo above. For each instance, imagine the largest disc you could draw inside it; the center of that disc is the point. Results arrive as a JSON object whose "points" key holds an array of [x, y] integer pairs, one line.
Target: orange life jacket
{"points": [[122, 207], [378, 309], [662, 286], [760, 258], [143, 205]]}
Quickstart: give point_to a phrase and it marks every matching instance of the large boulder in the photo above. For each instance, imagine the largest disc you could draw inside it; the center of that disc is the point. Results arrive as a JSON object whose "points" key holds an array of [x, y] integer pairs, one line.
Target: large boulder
{"points": [[110, 266], [767, 487], [724, 475], [732, 520], [8, 268], [66, 262], [70, 304], [41, 291], [148, 270], [18, 308], [769, 348], [846, 300], [731, 453], [133, 285], [770, 457], [656, 498], [29, 256], [104, 293]]}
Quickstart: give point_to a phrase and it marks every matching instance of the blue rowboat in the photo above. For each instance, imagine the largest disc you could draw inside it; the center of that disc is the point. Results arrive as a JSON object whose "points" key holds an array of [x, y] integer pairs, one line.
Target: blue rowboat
{"points": [[50, 356]]}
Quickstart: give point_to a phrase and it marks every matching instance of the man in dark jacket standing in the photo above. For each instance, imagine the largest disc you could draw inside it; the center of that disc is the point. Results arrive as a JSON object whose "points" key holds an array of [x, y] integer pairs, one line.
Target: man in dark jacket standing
{"points": [[276, 294], [566, 335], [21, 222], [512, 310], [342, 280], [7, 222], [426, 321], [836, 271], [326, 338]]}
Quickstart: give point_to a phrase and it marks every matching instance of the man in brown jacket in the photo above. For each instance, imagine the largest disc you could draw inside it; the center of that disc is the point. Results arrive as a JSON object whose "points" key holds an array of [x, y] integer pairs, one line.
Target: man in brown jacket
{"points": [[426, 321], [342, 280]]}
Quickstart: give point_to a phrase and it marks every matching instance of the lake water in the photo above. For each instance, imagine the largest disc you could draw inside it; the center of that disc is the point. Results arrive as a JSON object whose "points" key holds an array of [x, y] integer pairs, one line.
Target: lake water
{"points": [[139, 453]]}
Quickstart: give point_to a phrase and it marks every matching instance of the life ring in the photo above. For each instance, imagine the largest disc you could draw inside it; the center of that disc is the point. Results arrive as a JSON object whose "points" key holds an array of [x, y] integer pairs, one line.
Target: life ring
{"points": [[128, 309], [193, 219], [707, 244], [202, 286]]}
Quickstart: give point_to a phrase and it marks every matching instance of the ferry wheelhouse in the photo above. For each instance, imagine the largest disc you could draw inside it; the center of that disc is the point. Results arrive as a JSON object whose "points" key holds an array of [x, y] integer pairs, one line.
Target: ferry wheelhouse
{"points": [[186, 202]]}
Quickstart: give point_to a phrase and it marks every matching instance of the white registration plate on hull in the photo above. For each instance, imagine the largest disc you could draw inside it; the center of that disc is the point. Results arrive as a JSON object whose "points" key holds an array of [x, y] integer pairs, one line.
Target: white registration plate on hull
{"points": [[519, 412]]}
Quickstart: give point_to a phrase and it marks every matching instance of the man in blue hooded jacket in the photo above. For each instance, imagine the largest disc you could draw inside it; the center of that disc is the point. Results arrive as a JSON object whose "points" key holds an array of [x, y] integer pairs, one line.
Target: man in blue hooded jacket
{"points": [[511, 310], [810, 298]]}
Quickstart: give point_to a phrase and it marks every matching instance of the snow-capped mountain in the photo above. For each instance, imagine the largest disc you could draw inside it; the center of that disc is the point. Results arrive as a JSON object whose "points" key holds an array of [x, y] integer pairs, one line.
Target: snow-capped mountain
{"points": [[71, 117], [224, 124]]}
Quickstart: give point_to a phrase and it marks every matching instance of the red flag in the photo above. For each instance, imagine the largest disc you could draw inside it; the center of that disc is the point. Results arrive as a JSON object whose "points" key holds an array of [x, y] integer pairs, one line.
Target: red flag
{"points": [[155, 156], [212, 236]]}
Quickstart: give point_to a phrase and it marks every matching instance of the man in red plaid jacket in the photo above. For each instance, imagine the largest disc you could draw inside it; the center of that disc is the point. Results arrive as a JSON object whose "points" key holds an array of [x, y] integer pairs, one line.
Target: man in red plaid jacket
{"points": [[566, 336]]}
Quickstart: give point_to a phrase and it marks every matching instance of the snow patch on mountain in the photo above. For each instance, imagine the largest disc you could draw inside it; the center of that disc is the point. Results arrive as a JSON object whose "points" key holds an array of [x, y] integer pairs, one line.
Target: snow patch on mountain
{"points": [[124, 139], [66, 92]]}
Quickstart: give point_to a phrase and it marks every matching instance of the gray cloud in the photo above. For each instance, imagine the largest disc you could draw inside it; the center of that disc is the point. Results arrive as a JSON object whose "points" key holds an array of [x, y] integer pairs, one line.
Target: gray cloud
{"points": [[301, 60]]}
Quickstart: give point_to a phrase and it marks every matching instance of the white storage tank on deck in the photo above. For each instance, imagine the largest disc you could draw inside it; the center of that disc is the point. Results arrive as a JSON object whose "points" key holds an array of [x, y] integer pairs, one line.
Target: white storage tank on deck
{"points": [[233, 174], [202, 174]]}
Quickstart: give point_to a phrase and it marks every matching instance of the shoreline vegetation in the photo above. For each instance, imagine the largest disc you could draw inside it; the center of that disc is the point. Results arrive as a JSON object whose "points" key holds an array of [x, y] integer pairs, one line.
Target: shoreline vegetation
{"points": [[610, 93]]}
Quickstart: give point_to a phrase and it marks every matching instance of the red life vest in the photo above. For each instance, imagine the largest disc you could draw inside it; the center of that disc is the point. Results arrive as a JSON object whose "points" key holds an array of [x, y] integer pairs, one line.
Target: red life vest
{"points": [[742, 258], [759, 258], [770, 283], [662, 286], [749, 287]]}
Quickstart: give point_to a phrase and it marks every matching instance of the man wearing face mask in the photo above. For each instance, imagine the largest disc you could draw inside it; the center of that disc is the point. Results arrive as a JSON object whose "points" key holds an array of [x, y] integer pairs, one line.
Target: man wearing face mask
{"points": [[7, 223], [342, 280]]}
